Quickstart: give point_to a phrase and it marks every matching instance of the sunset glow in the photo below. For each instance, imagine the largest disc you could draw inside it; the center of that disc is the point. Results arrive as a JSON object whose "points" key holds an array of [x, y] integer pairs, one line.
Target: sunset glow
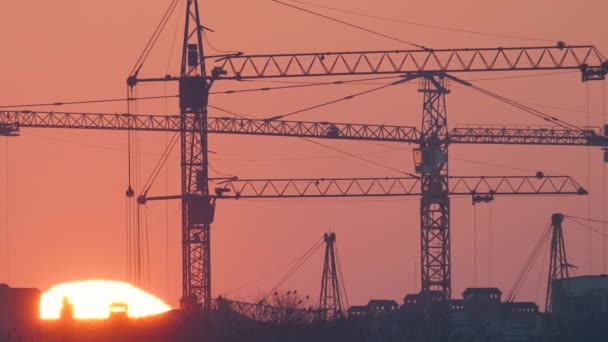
{"points": [[91, 300]]}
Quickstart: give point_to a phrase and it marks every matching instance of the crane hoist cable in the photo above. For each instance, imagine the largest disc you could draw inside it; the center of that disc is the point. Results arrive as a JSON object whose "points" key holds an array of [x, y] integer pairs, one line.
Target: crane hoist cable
{"points": [[223, 92], [65, 103], [586, 219], [129, 224], [159, 165], [353, 25]]}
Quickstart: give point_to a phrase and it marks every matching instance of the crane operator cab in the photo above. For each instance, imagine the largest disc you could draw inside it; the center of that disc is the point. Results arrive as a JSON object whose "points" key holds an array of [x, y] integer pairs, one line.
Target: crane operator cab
{"points": [[425, 160]]}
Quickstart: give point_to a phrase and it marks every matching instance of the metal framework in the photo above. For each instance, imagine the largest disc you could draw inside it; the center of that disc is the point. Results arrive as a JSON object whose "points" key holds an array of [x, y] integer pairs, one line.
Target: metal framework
{"points": [[526, 136], [330, 299], [11, 121]]}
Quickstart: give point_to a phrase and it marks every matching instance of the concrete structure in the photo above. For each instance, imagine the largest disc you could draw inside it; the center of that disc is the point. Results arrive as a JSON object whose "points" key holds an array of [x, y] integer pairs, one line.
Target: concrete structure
{"points": [[19, 311], [481, 314], [577, 295]]}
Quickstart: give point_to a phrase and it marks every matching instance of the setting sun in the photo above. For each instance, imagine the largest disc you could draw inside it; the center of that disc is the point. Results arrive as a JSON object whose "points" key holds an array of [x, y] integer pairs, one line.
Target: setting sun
{"points": [[92, 300]]}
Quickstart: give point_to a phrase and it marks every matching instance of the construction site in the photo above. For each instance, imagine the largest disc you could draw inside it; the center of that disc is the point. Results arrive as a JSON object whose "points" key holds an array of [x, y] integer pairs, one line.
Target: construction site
{"points": [[224, 180]]}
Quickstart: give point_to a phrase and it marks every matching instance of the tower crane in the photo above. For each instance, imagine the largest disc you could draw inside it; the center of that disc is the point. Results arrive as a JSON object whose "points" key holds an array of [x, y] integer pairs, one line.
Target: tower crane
{"points": [[332, 283], [559, 267], [434, 68]]}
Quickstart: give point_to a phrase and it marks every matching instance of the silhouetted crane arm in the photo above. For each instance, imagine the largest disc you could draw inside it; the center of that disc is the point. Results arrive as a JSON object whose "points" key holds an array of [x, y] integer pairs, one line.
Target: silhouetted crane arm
{"points": [[394, 187], [526, 136], [10, 122], [586, 58]]}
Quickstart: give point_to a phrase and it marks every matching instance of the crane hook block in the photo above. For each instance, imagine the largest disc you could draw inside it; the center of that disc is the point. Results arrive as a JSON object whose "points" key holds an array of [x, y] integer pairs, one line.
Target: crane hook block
{"points": [[130, 193]]}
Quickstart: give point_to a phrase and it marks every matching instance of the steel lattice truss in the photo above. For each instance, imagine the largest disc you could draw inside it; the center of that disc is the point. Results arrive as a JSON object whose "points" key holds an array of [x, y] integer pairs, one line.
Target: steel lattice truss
{"points": [[414, 61], [526, 136], [11, 121], [395, 187]]}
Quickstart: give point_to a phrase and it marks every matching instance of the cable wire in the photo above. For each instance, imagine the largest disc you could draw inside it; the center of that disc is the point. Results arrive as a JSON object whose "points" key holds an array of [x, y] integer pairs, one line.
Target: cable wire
{"points": [[422, 25], [304, 85], [345, 98], [154, 38], [161, 162], [591, 229], [525, 108], [353, 25], [360, 158], [126, 99], [258, 280]]}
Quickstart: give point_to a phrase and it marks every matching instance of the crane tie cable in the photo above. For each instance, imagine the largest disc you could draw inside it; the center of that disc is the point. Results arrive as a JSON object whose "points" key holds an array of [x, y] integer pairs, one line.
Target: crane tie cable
{"points": [[353, 25]]}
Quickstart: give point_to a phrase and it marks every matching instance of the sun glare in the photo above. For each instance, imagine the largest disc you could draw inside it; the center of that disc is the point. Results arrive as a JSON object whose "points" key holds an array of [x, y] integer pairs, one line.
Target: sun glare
{"points": [[92, 300]]}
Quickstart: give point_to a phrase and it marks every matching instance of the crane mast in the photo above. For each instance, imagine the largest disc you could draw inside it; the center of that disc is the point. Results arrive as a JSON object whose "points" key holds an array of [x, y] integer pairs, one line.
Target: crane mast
{"points": [[435, 203], [197, 205]]}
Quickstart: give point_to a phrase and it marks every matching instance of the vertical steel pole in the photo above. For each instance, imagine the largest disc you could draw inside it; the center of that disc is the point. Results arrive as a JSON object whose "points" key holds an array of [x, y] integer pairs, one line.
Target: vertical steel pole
{"points": [[435, 203], [197, 204]]}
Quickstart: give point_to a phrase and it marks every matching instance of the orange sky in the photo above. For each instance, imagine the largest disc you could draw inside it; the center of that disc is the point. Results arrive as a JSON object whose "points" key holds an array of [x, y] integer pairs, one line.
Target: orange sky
{"points": [[66, 201]]}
